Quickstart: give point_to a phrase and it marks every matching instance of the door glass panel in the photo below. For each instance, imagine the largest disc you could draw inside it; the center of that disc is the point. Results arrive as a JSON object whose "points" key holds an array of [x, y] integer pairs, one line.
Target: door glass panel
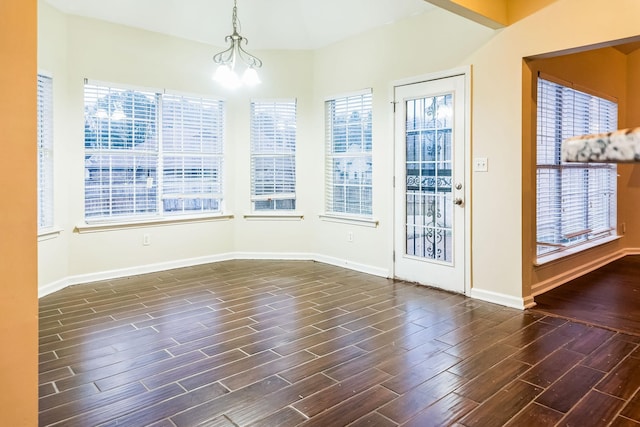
{"points": [[428, 201]]}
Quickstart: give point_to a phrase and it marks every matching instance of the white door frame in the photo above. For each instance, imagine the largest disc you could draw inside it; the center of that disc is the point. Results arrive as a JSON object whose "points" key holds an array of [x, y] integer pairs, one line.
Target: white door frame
{"points": [[467, 73]]}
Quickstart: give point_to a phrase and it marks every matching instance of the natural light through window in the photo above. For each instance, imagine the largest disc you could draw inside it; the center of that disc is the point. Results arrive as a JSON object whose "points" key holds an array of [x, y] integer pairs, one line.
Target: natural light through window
{"points": [[273, 155], [348, 170], [575, 202], [150, 154]]}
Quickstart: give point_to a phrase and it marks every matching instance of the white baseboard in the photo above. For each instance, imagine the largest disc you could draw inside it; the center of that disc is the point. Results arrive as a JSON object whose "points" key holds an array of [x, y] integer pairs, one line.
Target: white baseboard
{"points": [[561, 279], [290, 256], [501, 299], [153, 268], [363, 268], [52, 287], [125, 272]]}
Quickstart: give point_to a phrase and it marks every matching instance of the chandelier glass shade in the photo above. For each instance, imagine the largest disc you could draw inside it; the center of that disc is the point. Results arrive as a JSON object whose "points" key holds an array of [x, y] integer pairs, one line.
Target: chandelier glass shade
{"points": [[235, 55]]}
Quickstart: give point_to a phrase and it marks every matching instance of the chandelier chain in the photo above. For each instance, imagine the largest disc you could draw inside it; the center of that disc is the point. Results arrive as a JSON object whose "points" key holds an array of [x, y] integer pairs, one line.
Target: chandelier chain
{"points": [[234, 54], [234, 17]]}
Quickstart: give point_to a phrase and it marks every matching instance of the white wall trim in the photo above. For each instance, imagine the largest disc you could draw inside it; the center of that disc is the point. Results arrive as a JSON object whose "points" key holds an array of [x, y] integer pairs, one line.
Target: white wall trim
{"points": [[452, 72], [290, 256], [125, 272], [303, 256], [502, 299], [566, 276], [568, 252], [149, 222], [352, 220], [154, 268], [363, 268], [52, 287], [274, 216]]}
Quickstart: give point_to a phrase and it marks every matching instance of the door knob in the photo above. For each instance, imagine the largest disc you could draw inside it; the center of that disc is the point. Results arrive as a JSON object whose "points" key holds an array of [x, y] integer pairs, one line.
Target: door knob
{"points": [[458, 201]]}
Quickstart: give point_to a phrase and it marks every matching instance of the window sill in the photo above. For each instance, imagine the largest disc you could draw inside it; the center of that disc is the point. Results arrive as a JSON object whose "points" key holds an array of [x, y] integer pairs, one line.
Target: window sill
{"points": [[110, 226], [274, 216], [546, 259], [363, 222], [49, 233]]}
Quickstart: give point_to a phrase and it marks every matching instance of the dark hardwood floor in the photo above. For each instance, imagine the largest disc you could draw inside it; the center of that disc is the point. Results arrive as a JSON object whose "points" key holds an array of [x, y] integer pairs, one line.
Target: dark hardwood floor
{"points": [[284, 343], [608, 297]]}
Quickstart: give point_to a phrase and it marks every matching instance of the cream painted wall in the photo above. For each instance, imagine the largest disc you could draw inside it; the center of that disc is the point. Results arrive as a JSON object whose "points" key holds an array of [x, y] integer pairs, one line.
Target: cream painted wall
{"points": [[53, 251]]}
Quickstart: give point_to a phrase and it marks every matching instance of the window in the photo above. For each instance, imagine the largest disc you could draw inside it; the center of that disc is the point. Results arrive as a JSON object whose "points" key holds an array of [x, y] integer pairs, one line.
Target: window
{"points": [[45, 151], [192, 148], [149, 154], [348, 155], [576, 202], [273, 155]]}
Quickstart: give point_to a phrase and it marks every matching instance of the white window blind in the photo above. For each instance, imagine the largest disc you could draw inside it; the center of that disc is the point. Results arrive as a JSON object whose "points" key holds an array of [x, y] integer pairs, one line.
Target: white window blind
{"points": [[192, 154], [575, 202], [273, 155], [348, 167], [133, 170], [45, 151]]}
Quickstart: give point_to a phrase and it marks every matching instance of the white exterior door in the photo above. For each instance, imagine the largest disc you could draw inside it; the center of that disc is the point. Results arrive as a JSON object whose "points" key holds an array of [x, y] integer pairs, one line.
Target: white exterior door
{"points": [[430, 183]]}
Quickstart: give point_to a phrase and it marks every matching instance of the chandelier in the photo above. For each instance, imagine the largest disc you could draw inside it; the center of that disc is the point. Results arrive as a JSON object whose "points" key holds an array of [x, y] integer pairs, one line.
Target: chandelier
{"points": [[228, 59]]}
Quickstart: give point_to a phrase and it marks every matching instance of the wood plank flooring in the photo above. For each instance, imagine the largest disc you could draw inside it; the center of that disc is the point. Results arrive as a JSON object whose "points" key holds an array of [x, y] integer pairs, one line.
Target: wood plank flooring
{"points": [[608, 297], [288, 343]]}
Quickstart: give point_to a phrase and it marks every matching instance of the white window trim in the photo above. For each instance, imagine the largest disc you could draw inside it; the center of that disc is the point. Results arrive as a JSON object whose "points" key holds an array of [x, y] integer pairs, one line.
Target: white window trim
{"points": [[84, 227], [118, 85], [359, 92], [49, 233], [352, 220], [574, 250], [274, 216]]}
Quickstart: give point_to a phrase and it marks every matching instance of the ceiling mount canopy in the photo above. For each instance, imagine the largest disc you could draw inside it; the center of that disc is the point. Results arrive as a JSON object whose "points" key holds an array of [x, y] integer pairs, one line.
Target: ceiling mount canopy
{"points": [[234, 55]]}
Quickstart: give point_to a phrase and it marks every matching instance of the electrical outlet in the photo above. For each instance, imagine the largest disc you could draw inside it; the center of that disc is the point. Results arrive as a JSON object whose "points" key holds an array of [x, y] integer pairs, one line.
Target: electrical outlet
{"points": [[480, 164], [350, 236], [146, 239]]}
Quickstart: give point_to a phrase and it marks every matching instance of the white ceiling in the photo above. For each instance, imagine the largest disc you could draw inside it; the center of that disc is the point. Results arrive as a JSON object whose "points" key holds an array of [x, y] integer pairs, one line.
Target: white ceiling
{"points": [[267, 24]]}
